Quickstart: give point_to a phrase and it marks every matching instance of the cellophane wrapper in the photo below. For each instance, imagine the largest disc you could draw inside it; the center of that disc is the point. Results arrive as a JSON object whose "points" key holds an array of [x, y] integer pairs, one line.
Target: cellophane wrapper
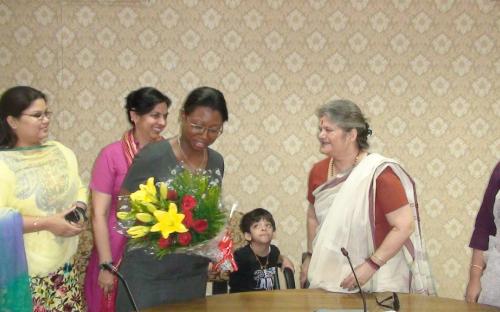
{"points": [[183, 214]]}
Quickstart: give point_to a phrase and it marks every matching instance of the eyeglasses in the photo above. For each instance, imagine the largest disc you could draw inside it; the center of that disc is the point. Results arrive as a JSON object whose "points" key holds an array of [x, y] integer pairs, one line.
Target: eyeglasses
{"points": [[40, 115], [199, 129], [391, 302]]}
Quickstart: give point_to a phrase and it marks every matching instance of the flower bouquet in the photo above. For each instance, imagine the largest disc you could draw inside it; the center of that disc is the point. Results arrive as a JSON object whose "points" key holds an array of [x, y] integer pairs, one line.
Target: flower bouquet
{"points": [[183, 214]]}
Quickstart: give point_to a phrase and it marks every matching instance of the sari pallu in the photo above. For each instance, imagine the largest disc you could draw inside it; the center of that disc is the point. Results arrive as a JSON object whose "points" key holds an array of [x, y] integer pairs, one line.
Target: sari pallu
{"points": [[15, 293], [345, 210]]}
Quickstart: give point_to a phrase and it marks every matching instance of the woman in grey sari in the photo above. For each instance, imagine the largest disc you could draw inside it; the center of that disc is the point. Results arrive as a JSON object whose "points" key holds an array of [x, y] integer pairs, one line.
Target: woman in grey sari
{"points": [[176, 277]]}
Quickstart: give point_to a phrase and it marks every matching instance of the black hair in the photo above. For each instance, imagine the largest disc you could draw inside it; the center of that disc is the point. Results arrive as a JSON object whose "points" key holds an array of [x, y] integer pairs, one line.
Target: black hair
{"points": [[208, 97], [255, 216], [12, 103], [144, 100]]}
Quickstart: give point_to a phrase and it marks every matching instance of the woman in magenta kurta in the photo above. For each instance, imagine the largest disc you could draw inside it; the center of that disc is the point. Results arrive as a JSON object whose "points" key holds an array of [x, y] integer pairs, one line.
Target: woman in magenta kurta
{"points": [[147, 110], [484, 271]]}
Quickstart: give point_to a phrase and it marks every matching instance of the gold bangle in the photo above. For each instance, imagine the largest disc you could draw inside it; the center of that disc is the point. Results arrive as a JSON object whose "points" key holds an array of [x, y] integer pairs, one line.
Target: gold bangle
{"points": [[477, 266]]}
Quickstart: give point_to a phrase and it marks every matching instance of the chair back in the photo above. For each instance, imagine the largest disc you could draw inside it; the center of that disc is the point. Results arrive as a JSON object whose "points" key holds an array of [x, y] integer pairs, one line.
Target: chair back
{"points": [[289, 279]]}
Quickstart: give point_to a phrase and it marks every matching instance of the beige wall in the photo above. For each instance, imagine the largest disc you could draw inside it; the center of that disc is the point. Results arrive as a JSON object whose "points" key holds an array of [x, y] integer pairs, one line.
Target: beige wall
{"points": [[425, 72]]}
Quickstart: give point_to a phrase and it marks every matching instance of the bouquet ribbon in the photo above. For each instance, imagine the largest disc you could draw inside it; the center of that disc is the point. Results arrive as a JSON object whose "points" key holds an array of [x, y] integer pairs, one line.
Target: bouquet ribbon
{"points": [[226, 262]]}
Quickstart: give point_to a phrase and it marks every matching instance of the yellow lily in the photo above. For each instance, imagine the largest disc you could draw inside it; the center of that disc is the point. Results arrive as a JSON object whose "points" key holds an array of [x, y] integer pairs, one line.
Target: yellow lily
{"points": [[169, 221], [146, 192], [138, 231], [163, 190], [122, 215], [144, 217], [151, 207]]}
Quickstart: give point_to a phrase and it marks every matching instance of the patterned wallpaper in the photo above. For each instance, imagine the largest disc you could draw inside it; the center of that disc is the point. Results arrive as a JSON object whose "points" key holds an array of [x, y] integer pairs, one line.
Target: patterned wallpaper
{"points": [[425, 72]]}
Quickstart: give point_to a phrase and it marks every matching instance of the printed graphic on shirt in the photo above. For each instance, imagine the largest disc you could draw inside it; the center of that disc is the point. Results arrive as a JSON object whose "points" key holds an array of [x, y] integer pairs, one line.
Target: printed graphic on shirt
{"points": [[264, 278]]}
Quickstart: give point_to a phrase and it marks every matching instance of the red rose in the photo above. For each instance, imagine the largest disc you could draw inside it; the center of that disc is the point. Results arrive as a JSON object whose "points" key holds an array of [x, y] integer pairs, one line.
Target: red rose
{"points": [[188, 203], [164, 242], [188, 219], [171, 195], [184, 238], [200, 225]]}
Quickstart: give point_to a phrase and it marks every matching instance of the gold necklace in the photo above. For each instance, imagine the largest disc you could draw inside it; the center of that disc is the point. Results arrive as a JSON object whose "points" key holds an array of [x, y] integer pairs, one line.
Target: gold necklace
{"points": [[331, 167], [262, 266], [186, 159]]}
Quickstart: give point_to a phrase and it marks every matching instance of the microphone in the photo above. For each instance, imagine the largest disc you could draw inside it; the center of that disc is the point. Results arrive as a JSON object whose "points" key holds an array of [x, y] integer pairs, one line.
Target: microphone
{"points": [[346, 254], [111, 268]]}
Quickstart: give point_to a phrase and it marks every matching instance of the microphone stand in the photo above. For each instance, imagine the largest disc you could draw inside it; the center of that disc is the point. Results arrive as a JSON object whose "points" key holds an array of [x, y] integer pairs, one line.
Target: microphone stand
{"points": [[346, 254], [276, 280], [111, 268]]}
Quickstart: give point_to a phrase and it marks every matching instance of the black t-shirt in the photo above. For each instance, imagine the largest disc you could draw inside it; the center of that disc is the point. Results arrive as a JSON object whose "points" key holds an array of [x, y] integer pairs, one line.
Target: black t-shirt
{"points": [[251, 274]]}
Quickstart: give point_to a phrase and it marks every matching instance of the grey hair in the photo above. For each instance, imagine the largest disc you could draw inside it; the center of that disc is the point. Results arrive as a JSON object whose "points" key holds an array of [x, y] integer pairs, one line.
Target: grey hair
{"points": [[347, 115]]}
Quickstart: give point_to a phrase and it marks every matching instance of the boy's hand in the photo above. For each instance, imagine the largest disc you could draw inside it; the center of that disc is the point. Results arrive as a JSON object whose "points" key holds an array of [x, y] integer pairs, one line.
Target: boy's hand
{"points": [[287, 263]]}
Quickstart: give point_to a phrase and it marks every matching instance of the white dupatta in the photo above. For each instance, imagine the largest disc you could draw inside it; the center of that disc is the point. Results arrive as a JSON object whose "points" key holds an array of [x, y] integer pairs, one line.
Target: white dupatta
{"points": [[345, 210]]}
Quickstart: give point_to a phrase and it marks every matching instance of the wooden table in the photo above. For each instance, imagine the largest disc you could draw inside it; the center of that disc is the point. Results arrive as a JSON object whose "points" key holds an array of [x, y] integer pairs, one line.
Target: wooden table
{"points": [[313, 299]]}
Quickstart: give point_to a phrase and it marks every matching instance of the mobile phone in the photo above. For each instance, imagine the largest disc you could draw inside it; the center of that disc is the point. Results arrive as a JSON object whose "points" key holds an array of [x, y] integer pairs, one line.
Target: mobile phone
{"points": [[76, 215]]}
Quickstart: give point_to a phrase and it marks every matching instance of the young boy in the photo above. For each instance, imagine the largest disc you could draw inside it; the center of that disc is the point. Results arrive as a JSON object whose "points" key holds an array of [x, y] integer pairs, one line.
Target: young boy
{"points": [[258, 260]]}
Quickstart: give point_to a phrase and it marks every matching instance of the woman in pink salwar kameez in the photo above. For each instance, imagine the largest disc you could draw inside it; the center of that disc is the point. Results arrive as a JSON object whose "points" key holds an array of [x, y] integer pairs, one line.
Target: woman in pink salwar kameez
{"points": [[147, 110]]}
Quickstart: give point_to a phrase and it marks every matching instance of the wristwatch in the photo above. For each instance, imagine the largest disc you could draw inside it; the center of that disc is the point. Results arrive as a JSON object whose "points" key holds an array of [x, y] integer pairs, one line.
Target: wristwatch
{"points": [[306, 255], [102, 266]]}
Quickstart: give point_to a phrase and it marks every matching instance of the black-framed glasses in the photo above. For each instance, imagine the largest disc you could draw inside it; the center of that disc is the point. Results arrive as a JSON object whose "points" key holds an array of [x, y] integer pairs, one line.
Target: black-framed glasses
{"points": [[40, 115], [391, 302]]}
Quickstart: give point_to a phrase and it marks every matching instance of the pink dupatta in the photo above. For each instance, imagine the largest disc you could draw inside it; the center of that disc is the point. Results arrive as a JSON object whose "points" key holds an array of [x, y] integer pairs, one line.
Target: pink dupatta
{"points": [[130, 150]]}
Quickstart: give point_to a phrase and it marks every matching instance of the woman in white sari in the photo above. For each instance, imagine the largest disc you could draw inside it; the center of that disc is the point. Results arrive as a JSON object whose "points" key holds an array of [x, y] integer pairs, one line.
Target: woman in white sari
{"points": [[365, 203]]}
